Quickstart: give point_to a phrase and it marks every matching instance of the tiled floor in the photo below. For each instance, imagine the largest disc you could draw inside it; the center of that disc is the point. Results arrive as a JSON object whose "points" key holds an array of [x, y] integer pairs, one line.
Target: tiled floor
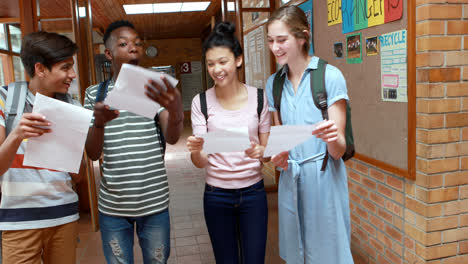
{"points": [[189, 237], [190, 243]]}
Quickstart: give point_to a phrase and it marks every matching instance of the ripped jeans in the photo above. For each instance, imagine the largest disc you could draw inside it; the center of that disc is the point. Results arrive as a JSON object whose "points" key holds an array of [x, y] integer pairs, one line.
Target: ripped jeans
{"points": [[153, 231]]}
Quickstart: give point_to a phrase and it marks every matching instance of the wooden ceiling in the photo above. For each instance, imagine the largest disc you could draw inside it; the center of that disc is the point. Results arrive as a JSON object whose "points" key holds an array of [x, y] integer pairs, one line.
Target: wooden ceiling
{"points": [[149, 26]]}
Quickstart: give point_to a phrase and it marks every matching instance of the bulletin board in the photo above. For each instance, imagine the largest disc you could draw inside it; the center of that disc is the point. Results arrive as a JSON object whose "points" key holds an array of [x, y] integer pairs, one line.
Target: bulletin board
{"points": [[380, 128]]}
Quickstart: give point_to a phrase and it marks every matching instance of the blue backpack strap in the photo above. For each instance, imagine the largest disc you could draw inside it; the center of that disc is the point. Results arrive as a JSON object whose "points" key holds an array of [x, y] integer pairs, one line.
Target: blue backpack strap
{"points": [[102, 91], [15, 102]]}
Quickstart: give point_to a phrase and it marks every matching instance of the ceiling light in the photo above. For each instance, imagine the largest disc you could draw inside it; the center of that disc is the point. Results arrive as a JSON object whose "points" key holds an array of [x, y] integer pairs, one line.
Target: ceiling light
{"points": [[138, 9], [231, 6], [194, 6], [82, 11], [167, 7]]}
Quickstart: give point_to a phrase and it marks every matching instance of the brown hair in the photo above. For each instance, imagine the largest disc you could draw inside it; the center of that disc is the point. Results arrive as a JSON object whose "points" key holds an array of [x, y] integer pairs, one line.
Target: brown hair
{"points": [[296, 20], [46, 48]]}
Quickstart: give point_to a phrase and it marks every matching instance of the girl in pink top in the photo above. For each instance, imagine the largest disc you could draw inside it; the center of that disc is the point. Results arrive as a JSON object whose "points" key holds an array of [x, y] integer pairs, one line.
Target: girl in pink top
{"points": [[234, 201]]}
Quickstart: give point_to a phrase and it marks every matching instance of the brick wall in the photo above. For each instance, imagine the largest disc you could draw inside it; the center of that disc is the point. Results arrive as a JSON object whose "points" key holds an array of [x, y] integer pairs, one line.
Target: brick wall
{"points": [[395, 220]]}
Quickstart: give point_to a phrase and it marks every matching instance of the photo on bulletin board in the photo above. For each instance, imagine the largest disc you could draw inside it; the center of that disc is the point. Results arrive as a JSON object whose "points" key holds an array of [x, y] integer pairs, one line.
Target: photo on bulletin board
{"points": [[372, 46], [353, 48], [338, 50]]}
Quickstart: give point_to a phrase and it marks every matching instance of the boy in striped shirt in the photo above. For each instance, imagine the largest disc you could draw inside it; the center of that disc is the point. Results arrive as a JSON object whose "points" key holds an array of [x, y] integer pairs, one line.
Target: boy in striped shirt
{"points": [[134, 188], [39, 208]]}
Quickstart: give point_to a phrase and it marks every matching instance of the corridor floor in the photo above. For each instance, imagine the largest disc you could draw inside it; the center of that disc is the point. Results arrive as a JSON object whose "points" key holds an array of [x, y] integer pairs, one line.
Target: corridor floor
{"points": [[190, 243]]}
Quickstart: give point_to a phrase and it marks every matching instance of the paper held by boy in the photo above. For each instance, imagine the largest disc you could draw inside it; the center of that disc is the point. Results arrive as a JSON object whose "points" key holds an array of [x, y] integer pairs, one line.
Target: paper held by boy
{"points": [[282, 138], [129, 90], [62, 148]]}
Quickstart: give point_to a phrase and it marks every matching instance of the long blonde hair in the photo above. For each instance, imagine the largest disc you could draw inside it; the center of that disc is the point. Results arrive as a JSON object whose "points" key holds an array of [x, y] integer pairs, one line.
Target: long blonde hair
{"points": [[296, 20]]}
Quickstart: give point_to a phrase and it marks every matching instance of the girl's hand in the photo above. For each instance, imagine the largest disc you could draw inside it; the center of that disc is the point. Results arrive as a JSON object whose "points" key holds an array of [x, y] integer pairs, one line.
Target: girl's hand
{"points": [[195, 144], [32, 125], [281, 160], [255, 151], [327, 131]]}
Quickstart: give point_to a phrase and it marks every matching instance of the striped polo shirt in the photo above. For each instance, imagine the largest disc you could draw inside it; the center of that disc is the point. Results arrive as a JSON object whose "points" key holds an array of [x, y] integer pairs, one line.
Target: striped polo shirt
{"points": [[34, 197], [134, 181]]}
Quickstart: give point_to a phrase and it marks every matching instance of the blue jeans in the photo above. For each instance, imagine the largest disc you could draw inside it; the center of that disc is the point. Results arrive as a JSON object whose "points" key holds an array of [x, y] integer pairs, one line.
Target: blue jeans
{"points": [[153, 233], [237, 223]]}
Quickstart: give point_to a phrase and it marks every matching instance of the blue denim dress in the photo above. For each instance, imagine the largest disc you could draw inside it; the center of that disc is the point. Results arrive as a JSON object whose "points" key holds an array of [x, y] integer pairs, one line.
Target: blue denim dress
{"points": [[313, 205]]}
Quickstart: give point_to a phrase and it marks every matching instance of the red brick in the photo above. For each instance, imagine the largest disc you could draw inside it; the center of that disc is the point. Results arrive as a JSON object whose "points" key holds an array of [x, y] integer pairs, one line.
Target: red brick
{"points": [[457, 27], [463, 247], [433, 106], [385, 215], [456, 120], [438, 43], [393, 233], [409, 243], [355, 218], [369, 183], [456, 178], [379, 200], [457, 89], [438, 166], [456, 260], [368, 205], [444, 75], [362, 213], [377, 222], [382, 260], [436, 252], [422, 75], [429, 59], [376, 244], [395, 183], [355, 176], [456, 58], [360, 233], [363, 169], [381, 176], [369, 250], [370, 230], [430, 90], [361, 191], [385, 191], [430, 181], [429, 12], [394, 258], [354, 197], [384, 239], [394, 208]]}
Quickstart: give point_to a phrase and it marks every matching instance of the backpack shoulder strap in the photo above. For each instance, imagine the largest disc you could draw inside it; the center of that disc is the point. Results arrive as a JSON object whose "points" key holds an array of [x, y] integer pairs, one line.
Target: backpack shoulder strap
{"points": [[278, 83], [259, 102], [102, 91], [203, 107], [15, 102], [317, 85]]}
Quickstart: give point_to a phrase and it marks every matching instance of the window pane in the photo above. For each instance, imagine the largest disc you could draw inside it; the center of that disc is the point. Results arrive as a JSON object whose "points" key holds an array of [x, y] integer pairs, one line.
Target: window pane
{"points": [[3, 37], [2, 74], [19, 69], [15, 35]]}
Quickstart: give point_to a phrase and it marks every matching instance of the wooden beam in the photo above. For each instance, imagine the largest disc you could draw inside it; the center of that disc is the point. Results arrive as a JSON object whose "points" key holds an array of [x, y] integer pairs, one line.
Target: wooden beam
{"points": [[9, 20], [27, 16]]}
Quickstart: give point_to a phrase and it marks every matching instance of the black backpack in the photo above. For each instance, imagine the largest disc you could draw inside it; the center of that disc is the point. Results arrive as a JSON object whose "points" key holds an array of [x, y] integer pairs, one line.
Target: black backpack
{"points": [[204, 108], [101, 95], [319, 93]]}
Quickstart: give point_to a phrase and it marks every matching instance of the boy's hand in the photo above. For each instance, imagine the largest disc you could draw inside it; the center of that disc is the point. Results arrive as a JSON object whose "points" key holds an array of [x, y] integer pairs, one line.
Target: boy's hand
{"points": [[102, 114], [255, 151], [32, 125], [170, 99], [195, 144]]}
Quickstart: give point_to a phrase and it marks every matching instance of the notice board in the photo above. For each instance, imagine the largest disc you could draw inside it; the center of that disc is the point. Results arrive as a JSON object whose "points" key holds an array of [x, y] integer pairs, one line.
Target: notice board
{"points": [[380, 127]]}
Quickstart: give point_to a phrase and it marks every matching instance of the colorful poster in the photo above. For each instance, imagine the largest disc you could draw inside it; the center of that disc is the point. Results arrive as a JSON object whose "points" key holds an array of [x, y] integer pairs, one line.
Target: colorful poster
{"points": [[353, 48], [360, 14], [393, 50], [334, 12], [307, 8]]}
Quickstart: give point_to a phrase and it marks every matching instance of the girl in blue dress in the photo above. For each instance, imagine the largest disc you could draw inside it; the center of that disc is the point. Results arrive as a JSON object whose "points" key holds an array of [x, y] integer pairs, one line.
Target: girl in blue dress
{"points": [[313, 205]]}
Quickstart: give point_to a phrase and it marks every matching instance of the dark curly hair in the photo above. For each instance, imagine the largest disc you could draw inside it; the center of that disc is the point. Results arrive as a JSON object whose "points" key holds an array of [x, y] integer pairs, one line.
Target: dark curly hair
{"points": [[115, 25], [223, 36], [46, 48]]}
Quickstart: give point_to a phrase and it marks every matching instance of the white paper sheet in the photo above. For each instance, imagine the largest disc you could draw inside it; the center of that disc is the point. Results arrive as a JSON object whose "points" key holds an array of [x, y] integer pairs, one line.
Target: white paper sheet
{"points": [[285, 138], [62, 149], [129, 90], [232, 140]]}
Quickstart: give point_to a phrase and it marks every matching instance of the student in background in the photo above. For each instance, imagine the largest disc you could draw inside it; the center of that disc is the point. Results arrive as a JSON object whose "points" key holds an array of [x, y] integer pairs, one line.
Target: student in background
{"points": [[134, 189], [235, 205], [39, 208], [313, 206]]}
